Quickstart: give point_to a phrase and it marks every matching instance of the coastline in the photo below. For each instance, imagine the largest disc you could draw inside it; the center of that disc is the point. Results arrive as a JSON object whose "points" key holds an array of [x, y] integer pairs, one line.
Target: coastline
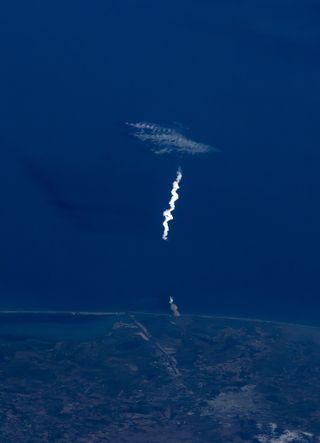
{"points": [[157, 314]]}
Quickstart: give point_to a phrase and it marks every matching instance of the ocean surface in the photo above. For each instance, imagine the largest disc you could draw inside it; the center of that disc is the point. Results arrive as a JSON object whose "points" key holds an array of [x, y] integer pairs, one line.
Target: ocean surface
{"points": [[54, 326], [82, 198]]}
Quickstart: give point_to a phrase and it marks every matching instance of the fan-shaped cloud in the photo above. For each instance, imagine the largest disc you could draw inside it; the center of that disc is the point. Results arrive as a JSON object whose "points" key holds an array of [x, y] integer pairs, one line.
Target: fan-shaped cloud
{"points": [[166, 140]]}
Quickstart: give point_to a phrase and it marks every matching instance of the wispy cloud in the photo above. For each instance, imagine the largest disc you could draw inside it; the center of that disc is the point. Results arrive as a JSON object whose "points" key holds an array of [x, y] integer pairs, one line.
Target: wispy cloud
{"points": [[166, 140]]}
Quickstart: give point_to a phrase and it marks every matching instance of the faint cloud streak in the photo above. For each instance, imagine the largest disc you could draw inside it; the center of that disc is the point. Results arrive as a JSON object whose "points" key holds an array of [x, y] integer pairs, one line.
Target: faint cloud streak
{"points": [[167, 140]]}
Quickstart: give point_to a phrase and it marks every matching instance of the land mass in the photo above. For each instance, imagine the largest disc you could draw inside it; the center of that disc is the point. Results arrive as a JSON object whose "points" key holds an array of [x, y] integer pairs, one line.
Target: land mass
{"points": [[155, 378]]}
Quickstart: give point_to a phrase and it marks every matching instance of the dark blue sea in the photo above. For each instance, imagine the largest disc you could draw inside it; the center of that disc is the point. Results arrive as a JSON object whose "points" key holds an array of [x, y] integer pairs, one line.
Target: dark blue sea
{"points": [[82, 198]]}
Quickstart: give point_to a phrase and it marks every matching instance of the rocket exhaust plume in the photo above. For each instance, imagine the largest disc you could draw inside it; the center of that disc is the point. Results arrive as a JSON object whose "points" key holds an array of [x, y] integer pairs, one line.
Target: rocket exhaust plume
{"points": [[168, 212], [174, 308]]}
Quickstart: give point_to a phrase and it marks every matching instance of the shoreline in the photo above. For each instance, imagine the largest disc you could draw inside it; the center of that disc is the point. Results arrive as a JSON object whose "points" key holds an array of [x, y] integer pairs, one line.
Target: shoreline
{"points": [[156, 314]]}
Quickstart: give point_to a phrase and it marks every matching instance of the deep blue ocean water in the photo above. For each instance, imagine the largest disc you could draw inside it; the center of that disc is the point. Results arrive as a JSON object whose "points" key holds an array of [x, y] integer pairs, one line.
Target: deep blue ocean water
{"points": [[82, 200], [16, 327]]}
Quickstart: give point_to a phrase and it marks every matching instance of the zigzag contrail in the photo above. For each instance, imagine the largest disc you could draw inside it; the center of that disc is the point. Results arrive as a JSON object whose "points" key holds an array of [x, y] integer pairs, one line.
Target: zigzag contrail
{"points": [[174, 197]]}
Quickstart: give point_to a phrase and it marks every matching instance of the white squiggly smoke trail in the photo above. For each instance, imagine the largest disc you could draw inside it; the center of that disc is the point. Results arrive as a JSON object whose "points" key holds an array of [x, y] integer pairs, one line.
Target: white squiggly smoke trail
{"points": [[174, 197]]}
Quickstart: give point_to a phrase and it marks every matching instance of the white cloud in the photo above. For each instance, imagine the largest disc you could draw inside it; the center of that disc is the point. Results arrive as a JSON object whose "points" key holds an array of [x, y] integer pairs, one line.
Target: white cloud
{"points": [[272, 434], [166, 140]]}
